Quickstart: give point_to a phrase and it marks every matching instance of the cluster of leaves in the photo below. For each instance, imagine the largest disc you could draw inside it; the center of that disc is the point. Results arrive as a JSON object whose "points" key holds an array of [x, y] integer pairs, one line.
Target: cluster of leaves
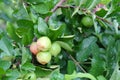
{"points": [[86, 52]]}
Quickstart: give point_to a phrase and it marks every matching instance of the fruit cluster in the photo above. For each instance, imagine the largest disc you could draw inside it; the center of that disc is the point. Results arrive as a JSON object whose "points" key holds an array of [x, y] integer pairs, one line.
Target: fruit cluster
{"points": [[44, 49]]}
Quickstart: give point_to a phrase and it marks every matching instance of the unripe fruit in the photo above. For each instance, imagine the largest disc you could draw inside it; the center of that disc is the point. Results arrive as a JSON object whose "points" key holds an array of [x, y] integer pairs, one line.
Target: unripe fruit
{"points": [[55, 49], [43, 57], [30, 76], [43, 43], [33, 48], [87, 21]]}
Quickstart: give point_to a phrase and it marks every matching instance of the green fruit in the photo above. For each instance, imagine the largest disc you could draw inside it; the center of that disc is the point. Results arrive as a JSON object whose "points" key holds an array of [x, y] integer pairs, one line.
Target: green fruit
{"points": [[30, 76], [87, 21], [43, 43], [43, 57], [55, 49]]}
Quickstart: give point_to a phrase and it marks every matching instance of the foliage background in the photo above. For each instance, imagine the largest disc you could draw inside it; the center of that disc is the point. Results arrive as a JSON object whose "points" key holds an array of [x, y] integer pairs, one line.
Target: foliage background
{"points": [[92, 53]]}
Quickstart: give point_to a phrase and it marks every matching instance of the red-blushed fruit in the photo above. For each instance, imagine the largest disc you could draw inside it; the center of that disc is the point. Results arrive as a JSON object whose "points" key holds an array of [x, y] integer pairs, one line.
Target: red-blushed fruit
{"points": [[43, 43], [43, 57], [33, 48], [55, 49]]}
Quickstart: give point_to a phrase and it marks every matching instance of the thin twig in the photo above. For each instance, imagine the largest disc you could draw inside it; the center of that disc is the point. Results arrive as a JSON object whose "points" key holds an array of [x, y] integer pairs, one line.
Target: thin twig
{"points": [[55, 8], [76, 63]]}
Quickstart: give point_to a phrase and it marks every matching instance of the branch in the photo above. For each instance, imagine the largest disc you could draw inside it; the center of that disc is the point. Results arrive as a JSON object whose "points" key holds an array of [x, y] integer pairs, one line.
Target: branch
{"points": [[55, 8], [86, 12], [104, 20]]}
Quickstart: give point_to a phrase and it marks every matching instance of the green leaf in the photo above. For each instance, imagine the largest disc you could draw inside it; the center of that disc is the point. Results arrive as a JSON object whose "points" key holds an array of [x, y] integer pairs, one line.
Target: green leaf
{"points": [[26, 34], [114, 5], [85, 48], [28, 66], [56, 33], [76, 10], [21, 13], [21, 31], [41, 8], [98, 65], [116, 25], [12, 75], [42, 27], [116, 73], [117, 47], [56, 75], [80, 75], [41, 72], [2, 72], [65, 46], [93, 4], [101, 77], [11, 31], [70, 67], [26, 56], [5, 64], [96, 27], [25, 23], [101, 13], [6, 46]]}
